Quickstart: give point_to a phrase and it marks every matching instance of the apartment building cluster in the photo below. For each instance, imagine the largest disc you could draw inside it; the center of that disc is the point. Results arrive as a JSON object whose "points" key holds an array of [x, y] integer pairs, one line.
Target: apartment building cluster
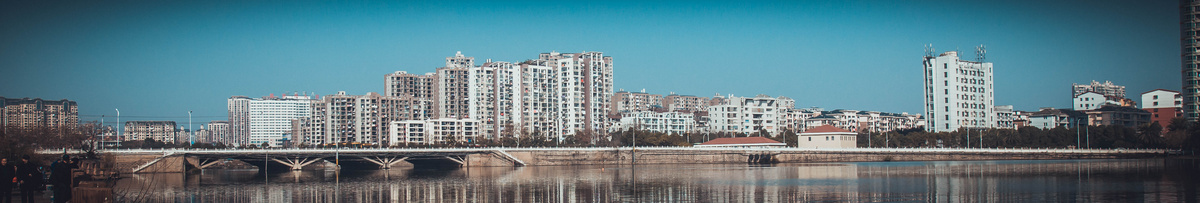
{"points": [[555, 95], [30, 113], [678, 114], [1104, 104]]}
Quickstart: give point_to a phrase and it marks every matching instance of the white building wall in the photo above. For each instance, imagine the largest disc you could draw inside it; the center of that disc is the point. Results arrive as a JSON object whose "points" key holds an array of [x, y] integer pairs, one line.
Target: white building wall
{"points": [[958, 93], [1161, 99], [271, 118], [1088, 101], [748, 115], [827, 140], [675, 123], [433, 131]]}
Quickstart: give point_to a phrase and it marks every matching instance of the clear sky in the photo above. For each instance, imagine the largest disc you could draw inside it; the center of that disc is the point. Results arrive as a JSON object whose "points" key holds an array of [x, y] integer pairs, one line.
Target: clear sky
{"points": [[156, 60]]}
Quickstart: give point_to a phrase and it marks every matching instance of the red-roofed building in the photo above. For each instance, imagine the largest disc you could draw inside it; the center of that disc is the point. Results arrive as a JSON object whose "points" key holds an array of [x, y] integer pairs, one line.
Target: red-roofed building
{"points": [[743, 142], [826, 137]]}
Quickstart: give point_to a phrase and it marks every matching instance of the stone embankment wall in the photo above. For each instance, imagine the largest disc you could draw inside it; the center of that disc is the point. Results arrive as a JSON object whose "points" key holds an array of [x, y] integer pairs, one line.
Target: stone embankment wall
{"points": [[667, 156]]}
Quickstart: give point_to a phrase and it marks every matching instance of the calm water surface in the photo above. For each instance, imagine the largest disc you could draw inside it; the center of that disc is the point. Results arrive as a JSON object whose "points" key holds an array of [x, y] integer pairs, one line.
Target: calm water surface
{"points": [[1143, 180]]}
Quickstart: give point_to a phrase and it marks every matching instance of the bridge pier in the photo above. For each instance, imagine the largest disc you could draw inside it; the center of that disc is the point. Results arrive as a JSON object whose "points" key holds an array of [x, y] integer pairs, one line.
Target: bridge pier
{"points": [[296, 163], [385, 162], [203, 163]]}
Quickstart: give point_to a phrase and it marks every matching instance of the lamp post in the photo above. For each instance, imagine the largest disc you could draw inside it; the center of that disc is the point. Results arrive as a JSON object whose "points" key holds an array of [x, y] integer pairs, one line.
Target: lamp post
{"points": [[191, 132], [120, 128]]}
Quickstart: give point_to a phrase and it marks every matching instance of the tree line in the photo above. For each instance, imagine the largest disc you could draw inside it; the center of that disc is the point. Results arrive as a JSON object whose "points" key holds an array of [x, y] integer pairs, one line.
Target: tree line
{"points": [[1180, 135]]}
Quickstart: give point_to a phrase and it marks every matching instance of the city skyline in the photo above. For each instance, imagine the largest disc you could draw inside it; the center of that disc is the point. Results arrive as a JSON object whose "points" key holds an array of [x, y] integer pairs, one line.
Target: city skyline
{"points": [[195, 55]]}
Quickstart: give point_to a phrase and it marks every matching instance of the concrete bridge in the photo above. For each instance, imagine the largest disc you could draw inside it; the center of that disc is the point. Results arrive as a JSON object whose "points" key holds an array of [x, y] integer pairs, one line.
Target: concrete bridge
{"points": [[181, 160]]}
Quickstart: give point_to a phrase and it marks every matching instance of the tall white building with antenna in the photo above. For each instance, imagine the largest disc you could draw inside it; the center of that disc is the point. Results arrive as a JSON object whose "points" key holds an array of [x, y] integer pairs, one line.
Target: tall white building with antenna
{"points": [[958, 93]]}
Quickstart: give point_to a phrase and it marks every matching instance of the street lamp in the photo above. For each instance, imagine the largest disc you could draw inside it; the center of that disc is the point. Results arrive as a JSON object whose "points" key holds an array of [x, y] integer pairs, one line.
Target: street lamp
{"points": [[120, 128], [192, 133]]}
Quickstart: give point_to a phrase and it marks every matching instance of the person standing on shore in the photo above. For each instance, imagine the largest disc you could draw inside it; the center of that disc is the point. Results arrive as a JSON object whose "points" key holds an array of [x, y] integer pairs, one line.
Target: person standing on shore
{"points": [[30, 178], [60, 178], [7, 173]]}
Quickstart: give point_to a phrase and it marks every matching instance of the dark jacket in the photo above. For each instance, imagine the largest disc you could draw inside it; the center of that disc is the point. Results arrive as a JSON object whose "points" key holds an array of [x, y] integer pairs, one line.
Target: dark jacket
{"points": [[60, 173], [7, 172], [29, 173]]}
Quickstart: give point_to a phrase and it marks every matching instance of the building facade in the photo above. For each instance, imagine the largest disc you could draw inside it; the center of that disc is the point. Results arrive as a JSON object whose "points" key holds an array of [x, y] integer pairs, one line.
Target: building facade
{"points": [[749, 114], [675, 123], [635, 101], [1090, 100], [1189, 33], [852, 120], [433, 131], [162, 131], [1006, 117], [1107, 89], [1049, 118], [674, 102], [827, 137], [958, 93], [1163, 105], [586, 81], [360, 119], [219, 132], [1118, 115], [453, 87], [29, 113]]}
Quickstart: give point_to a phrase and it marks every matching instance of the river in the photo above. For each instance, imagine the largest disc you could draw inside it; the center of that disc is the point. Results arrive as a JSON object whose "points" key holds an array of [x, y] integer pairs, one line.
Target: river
{"points": [[1120, 180]]}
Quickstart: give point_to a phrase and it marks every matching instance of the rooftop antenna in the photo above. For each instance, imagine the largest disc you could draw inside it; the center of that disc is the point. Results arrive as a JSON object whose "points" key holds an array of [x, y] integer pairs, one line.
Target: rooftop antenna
{"points": [[980, 53], [928, 50]]}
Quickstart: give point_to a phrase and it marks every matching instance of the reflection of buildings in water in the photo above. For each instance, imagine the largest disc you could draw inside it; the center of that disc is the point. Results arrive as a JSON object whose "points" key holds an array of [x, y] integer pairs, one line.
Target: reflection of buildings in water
{"points": [[888, 181]]}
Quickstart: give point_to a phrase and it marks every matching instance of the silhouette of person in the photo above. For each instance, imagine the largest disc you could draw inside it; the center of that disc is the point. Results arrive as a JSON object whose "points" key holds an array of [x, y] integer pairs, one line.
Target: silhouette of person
{"points": [[60, 178], [30, 179], [8, 173]]}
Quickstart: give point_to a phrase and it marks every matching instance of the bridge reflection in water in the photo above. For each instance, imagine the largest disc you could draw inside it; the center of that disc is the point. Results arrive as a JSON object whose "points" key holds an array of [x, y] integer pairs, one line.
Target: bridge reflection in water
{"points": [[1155, 180]]}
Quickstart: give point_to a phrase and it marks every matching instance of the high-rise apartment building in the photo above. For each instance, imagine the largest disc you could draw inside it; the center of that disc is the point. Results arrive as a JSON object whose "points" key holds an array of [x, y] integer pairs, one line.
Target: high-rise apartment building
{"points": [[1189, 32], [363, 119], [750, 115], [162, 131], [1107, 89], [674, 102], [958, 93], [239, 121], [586, 82], [493, 96], [623, 101], [453, 87], [219, 132], [404, 84], [267, 119], [27, 113]]}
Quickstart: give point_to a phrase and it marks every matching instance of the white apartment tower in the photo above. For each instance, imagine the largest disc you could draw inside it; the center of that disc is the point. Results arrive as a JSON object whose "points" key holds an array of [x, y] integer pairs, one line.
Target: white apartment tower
{"points": [[239, 121], [452, 87], [265, 120], [586, 89], [219, 132], [958, 93], [493, 97], [271, 118]]}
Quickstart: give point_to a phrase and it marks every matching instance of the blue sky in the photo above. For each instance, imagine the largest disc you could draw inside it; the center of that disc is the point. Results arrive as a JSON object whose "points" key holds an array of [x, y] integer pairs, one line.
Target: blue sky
{"points": [[156, 60]]}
